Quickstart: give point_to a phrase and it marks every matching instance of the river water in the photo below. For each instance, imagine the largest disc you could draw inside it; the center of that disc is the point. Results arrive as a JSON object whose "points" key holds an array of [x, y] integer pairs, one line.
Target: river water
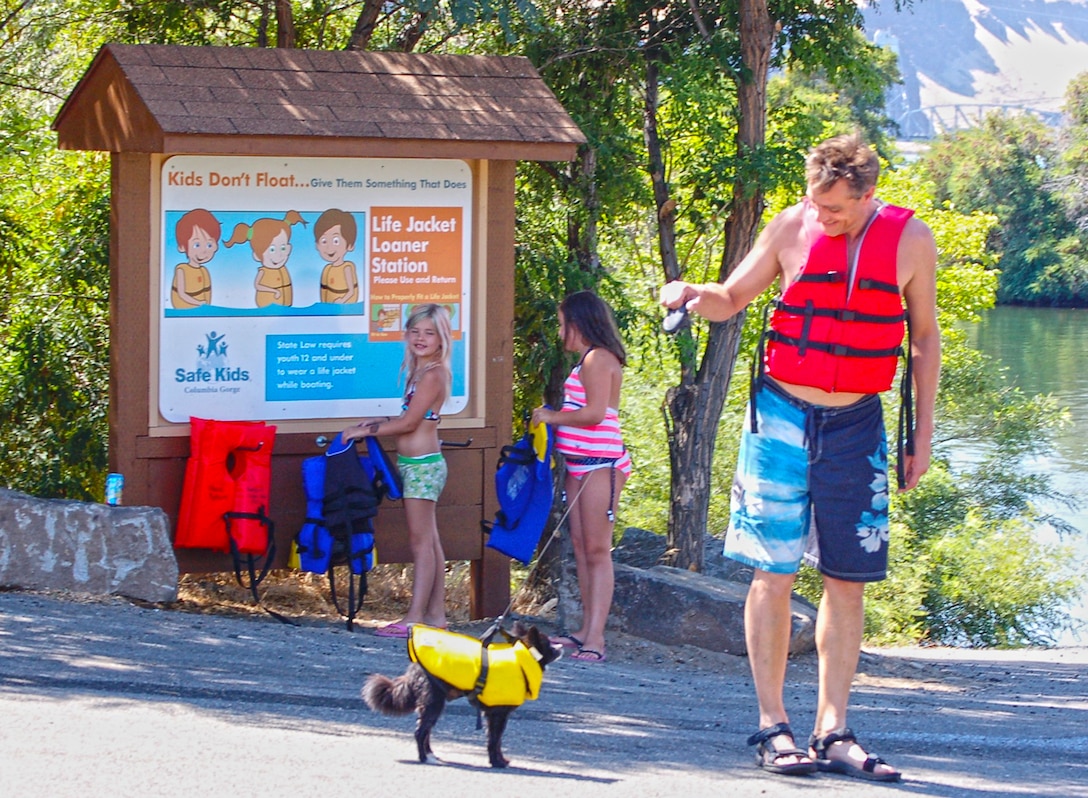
{"points": [[1046, 352]]}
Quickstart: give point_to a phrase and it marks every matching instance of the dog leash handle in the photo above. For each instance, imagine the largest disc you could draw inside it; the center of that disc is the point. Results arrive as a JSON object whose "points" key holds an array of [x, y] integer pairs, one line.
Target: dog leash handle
{"points": [[674, 319]]}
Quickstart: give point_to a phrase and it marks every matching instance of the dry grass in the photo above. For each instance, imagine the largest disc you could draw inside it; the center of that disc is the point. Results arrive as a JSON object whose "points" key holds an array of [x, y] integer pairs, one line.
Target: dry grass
{"points": [[306, 600], [304, 596]]}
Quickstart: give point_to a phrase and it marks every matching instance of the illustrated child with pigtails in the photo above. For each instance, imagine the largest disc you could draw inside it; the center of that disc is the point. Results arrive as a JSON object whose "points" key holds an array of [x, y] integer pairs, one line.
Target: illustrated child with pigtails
{"points": [[270, 242]]}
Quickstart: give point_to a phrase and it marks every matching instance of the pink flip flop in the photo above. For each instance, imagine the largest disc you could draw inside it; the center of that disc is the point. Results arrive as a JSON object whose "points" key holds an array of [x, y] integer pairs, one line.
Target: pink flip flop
{"points": [[392, 630]]}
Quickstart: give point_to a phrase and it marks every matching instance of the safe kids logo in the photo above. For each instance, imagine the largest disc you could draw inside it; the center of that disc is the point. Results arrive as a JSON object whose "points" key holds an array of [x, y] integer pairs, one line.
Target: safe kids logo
{"points": [[212, 365]]}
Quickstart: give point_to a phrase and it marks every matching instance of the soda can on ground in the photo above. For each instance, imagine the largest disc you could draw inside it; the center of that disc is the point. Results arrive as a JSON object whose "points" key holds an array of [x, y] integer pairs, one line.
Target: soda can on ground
{"points": [[114, 484]]}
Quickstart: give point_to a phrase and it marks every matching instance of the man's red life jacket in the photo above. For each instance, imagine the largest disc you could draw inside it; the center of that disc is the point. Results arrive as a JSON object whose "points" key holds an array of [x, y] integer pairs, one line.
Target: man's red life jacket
{"points": [[826, 336]]}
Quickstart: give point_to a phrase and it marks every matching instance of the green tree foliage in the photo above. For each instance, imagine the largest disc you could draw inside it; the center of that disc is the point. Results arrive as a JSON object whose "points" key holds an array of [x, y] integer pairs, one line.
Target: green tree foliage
{"points": [[54, 329], [1070, 179], [407, 26], [585, 52], [1009, 166], [54, 237]]}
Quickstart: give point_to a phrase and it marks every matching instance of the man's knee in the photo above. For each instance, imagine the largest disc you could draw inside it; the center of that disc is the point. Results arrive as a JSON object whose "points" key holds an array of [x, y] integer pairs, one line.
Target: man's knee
{"points": [[841, 590], [770, 586]]}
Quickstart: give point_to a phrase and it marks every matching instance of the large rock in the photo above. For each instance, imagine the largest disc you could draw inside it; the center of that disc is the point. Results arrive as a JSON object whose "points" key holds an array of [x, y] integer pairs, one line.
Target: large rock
{"points": [[50, 544], [673, 606], [641, 548]]}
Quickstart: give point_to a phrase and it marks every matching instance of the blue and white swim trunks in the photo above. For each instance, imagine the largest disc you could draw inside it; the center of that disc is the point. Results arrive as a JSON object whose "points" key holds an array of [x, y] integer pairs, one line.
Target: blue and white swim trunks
{"points": [[812, 483]]}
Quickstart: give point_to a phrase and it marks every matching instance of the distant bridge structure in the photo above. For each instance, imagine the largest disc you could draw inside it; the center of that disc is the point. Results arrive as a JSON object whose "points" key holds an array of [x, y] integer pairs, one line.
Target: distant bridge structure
{"points": [[932, 120]]}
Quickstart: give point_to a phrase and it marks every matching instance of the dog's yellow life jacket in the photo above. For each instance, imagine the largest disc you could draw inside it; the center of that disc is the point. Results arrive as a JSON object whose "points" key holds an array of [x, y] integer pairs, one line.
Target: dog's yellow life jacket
{"points": [[513, 674]]}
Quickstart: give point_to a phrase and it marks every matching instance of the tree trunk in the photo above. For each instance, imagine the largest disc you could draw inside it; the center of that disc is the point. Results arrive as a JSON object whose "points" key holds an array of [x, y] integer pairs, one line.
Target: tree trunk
{"points": [[693, 409], [262, 26], [410, 36], [692, 414], [365, 25], [586, 209], [663, 203], [285, 25]]}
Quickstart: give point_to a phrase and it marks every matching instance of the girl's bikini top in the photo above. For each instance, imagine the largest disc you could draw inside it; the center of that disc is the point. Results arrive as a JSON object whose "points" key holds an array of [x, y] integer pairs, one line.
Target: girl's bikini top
{"points": [[430, 415]]}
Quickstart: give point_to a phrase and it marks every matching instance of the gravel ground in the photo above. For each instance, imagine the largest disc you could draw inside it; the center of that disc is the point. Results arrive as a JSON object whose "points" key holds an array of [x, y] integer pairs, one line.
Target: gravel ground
{"points": [[104, 697]]}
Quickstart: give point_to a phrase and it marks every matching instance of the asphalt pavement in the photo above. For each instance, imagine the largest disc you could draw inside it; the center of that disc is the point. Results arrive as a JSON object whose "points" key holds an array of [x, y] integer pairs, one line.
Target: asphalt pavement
{"points": [[107, 698]]}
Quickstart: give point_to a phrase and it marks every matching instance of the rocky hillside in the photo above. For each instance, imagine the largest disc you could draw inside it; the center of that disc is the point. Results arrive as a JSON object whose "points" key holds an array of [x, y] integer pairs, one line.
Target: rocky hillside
{"points": [[968, 54]]}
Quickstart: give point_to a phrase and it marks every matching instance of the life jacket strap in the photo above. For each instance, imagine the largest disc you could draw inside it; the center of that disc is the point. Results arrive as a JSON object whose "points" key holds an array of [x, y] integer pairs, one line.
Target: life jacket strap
{"points": [[823, 277], [905, 437], [755, 377], [256, 576], [481, 680], [357, 588], [838, 350], [809, 311], [806, 326], [251, 560], [867, 284]]}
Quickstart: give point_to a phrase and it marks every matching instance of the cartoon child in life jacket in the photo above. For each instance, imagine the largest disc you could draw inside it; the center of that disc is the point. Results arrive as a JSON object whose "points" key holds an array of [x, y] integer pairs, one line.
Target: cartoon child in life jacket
{"points": [[270, 241], [334, 235], [197, 234]]}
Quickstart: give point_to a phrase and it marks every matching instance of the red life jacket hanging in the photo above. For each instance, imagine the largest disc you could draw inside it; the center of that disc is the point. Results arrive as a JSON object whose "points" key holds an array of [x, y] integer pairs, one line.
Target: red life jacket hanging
{"points": [[227, 487]]}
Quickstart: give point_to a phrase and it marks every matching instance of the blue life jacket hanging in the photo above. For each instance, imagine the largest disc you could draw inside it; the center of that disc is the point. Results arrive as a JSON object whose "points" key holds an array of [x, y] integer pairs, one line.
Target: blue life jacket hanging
{"points": [[343, 490], [525, 489], [386, 478]]}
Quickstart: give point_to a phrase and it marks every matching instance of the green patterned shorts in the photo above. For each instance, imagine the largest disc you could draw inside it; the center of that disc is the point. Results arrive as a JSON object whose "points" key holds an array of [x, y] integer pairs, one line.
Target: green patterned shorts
{"points": [[423, 477]]}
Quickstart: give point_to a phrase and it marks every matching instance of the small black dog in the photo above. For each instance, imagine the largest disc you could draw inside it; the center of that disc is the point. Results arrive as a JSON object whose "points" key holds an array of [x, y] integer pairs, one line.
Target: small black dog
{"points": [[425, 693]]}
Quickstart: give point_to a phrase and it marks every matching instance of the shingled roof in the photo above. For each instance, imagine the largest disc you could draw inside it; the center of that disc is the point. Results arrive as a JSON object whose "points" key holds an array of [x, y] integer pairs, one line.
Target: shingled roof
{"points": [[174, 98]]}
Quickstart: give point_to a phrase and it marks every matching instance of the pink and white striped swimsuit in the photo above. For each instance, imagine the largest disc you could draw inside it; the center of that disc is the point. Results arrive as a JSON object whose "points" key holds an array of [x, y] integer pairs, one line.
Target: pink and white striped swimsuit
{"points": [[589, 448]]}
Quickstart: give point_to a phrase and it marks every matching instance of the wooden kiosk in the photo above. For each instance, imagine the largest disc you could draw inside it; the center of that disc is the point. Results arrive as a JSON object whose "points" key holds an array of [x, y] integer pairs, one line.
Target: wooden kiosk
{"points": [[417, 153]]}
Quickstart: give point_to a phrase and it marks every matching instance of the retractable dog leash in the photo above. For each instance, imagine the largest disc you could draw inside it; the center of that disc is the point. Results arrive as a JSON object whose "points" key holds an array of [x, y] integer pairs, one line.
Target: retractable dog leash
{"points": [[674, 319], [501, 619], [498, 627]]}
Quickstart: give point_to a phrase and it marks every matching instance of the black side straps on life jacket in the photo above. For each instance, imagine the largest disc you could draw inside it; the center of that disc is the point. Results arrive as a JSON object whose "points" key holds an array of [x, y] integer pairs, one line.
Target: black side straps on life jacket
{"points": [[473, 695], [350, 502], [839, 350], [255, 577], [905, 435], [811, 311], [865, 283]]}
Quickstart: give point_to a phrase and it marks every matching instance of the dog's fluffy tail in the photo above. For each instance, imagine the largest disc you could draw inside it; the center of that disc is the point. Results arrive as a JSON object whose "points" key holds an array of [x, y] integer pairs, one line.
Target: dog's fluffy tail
{"points": [[390, 696]]}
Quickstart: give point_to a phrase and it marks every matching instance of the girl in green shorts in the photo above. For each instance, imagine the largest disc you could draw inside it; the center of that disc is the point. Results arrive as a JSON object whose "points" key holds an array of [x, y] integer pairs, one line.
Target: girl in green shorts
{"points": [[428, 344]]}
